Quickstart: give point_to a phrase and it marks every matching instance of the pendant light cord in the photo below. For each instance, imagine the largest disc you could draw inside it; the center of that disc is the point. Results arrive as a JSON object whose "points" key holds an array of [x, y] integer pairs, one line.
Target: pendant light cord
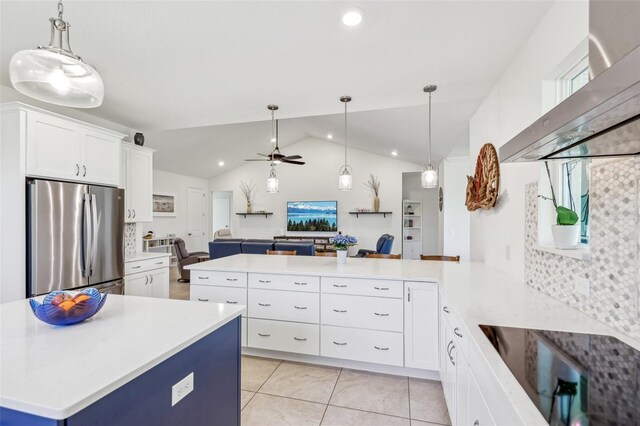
{"points": [[429, 129], [60, 9], [346, 139]]}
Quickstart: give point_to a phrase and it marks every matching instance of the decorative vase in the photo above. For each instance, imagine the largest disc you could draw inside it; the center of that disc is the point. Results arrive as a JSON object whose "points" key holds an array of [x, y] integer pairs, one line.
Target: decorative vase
{"points": [[566, 236], [376, 204], [341, 255], [138, 139], [249, 208]]}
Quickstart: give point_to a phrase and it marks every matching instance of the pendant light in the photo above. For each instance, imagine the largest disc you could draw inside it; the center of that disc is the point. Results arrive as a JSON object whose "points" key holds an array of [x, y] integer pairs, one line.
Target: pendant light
{"points": [[273, 184], [345, 181], [54, 73], [429, 174]]}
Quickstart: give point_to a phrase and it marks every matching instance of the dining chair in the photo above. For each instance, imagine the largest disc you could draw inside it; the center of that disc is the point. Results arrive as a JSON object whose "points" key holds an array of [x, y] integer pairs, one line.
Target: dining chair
{"points": [[383, 256], [282, 252], [442, 258]]}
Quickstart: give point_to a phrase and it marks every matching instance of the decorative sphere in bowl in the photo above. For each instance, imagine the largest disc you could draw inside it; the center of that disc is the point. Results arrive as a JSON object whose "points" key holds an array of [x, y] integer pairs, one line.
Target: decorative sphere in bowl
{"points": [[62, 308]]}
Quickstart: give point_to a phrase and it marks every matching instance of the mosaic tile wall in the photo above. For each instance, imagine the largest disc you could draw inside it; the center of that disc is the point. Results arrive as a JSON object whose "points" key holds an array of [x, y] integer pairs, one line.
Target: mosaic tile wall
{"points": [[614, 268], [129, 238]]}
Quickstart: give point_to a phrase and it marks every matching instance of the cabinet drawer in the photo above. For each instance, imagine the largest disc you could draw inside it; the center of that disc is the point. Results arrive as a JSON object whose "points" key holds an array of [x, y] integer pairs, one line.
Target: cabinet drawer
{"points": [[146, 265], [285, 282], [284, 305], [284, 336], [380, 347], [227, 279], [362, 287], [231, 295], [375, 313]]}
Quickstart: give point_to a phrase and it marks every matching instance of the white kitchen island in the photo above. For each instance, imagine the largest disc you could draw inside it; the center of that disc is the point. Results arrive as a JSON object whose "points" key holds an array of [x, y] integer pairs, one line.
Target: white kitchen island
{"points": [[119, 366]]}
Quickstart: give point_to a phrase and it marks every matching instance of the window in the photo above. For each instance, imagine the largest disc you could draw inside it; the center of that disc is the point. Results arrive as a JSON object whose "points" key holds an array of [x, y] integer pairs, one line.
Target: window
{"points": [[572, 80], [574, 191]]}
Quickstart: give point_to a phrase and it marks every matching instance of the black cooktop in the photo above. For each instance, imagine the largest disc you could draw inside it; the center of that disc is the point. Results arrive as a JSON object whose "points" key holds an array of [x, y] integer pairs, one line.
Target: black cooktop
{"points": [[573, 378]]}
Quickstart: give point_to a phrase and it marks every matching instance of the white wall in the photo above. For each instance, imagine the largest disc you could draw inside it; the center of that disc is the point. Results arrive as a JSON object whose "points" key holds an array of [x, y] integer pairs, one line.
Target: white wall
{"points": [[516, 101], [456, 217], [172, 183], [412, 190], [318, 180]]}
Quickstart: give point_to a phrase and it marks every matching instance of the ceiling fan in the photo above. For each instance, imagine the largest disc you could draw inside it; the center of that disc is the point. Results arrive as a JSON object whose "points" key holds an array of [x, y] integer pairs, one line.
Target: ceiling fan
{"points": [[276, 157]]}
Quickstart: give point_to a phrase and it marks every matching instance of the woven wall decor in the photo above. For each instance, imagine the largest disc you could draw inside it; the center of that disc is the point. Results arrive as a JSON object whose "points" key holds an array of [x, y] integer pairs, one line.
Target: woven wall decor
{"points": [[483, 188]]}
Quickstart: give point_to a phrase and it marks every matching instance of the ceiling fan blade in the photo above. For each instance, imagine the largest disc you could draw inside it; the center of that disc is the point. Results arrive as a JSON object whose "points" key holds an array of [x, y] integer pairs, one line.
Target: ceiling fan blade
{"points": [[265, 155], [257, 159], [293, 157], [300, 163]]}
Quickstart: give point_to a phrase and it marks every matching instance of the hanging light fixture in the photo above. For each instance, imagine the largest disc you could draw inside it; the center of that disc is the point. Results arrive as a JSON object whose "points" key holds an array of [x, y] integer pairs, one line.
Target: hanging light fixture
{"points": [[345, 181], [273, 108], [273, 184], [54, 73], [429, 174]]}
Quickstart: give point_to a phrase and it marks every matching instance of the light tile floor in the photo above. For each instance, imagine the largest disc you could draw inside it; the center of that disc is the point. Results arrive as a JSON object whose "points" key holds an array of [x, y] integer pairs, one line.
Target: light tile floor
{"points": [[276, 393]]}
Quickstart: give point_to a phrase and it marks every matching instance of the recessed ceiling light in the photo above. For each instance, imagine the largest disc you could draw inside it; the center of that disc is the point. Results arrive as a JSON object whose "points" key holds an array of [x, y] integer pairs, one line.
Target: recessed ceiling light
{"points": [[220, 163], [329, 136], [273, 140], [394, 153], [352, 17]]}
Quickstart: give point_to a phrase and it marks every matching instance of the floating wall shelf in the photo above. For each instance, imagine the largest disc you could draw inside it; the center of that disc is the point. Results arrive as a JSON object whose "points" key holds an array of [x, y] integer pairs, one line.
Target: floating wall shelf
{"points": [[382, 213], [265, 214]]}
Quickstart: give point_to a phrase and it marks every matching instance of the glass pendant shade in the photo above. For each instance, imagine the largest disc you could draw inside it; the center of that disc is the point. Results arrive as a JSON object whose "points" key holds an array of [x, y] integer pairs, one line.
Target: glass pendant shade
{"points": [[345, 181], [56, 78], [429, 177], [273, 184]]}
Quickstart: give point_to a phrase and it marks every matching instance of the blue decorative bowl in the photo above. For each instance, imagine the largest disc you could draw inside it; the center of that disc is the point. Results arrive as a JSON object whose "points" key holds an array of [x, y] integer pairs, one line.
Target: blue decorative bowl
{"points": [[54, 314]]}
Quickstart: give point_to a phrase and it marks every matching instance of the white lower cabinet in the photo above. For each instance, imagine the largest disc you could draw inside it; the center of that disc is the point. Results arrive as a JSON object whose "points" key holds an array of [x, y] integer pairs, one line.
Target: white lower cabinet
{"points": [[478, 412], [380, 347], [147, 278], [284, 336], [421, 325], [230, 295], [362, 312], [284, 305]]}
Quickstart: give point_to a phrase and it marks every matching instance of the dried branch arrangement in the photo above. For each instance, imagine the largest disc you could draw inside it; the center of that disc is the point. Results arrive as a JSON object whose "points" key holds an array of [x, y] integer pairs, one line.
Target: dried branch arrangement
{"points": [[374, 184]]}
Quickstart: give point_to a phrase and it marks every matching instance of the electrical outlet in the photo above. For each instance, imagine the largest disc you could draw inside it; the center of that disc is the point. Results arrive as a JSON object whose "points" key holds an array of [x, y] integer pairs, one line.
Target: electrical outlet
{"points": [[583, 286], [181, 389]]}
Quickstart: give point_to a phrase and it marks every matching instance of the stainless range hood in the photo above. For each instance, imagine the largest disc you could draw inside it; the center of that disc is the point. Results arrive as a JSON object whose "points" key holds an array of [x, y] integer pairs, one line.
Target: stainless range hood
{"points": [[602, 119]]}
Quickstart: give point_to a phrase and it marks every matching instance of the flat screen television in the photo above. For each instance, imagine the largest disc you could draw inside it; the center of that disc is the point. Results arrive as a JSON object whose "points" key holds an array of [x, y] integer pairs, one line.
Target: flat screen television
{"points": [[312, 216]]}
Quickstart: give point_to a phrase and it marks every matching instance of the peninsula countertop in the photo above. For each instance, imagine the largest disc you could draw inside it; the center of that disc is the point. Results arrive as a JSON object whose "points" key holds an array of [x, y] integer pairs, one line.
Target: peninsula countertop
{"points": [[478, 294], [55, 372]]}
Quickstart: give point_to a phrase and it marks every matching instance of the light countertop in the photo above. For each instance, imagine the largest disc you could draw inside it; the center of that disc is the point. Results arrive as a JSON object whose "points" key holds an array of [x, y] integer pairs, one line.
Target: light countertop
{"points": [[55, 372], [134, 257], [478, 294]]}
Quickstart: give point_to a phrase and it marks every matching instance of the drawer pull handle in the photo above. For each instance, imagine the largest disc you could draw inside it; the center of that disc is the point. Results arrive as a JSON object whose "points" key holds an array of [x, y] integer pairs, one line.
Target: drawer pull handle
{"points": [[340, 344], [476, 423], [340, 311], [232, 303], [264, 304], [382, 288], [203, 278], [232, 279], [340, 285], [159, 263], [264, 281], [456, 331], [264, 335], [381, 315], [381, 349], [446, 309], [136, 267], [296, 283], [299, 307], [304, 339], [203, 300]]}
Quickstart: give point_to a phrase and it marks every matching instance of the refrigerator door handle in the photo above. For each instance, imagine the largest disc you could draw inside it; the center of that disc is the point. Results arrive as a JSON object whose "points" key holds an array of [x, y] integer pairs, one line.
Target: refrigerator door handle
{"points": [[86, 269], [94, 231]]}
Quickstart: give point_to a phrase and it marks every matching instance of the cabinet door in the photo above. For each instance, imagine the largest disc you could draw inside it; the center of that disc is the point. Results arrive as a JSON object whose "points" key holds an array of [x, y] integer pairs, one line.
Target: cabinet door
{"points": [[136, 285], [479, 414], [101, 157], [159, 283], [462, 389], [53, 147], [421, 325], [449, 383], [140, 185]]}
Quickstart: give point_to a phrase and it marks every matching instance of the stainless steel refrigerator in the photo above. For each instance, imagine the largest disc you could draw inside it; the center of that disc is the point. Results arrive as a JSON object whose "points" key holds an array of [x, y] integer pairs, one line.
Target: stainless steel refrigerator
{"points": [[75, 237]]}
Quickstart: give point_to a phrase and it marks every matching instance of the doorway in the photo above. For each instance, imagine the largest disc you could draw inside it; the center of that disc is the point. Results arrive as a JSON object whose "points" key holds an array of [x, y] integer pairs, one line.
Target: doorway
{"points": [[196, 218], [221, 202]]}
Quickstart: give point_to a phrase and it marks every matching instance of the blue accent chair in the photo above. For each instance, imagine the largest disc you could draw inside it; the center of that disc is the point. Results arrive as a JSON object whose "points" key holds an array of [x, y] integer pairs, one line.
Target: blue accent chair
{"points": [[301, 248], [383, 246], [224, 247], [257, 246]]}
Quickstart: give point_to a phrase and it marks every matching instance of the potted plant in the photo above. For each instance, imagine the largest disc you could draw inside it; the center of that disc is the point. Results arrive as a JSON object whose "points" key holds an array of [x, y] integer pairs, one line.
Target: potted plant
{"points": [[341, 243], [248, 190], [566, 231], [374, 184]]}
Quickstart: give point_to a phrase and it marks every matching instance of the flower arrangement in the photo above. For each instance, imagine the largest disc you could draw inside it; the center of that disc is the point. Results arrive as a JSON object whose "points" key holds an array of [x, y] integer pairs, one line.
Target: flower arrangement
{"points": [[342, 242], [374, 185]]}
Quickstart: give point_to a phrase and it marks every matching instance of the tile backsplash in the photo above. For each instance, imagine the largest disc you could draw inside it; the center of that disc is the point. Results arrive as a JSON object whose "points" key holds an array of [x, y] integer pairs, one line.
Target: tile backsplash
{"points": [[614, 267], [129, 238]]}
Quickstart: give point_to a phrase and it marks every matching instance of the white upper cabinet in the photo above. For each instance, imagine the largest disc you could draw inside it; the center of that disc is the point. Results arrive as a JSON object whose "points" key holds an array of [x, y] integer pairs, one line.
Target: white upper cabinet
{"points": [[65, 149], [136, 177]]}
